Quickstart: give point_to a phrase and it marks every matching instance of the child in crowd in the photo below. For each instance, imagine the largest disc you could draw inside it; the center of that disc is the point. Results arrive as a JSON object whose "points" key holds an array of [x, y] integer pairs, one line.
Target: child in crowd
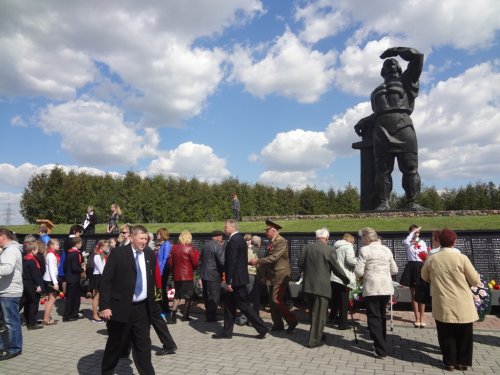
{"points": [[72, 272], [32, 285], [99, 260], [112, 243], [50, 280]]}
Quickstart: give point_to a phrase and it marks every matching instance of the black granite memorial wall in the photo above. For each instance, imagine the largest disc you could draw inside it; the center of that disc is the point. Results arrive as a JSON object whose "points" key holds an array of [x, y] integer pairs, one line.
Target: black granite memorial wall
{"points": [[482, 248]]}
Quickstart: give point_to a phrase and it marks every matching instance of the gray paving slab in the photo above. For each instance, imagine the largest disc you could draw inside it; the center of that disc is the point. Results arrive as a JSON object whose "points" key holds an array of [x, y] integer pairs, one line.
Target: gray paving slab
{"points": [[77, 348]]}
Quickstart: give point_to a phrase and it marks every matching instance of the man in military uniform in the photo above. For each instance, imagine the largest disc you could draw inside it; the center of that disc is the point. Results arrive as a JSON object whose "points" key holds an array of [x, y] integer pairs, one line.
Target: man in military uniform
{"points": [[275, 267], [392, 128]]}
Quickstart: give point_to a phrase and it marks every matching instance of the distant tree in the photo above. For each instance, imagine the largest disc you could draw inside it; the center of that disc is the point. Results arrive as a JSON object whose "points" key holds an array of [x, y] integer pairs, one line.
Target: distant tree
{"points": [[430, 198], [348, 200]]}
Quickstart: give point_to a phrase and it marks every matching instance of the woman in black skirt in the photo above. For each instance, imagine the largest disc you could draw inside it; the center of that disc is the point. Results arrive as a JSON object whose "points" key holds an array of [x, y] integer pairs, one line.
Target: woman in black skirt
{"points": [[411, 274], [100, 255]]}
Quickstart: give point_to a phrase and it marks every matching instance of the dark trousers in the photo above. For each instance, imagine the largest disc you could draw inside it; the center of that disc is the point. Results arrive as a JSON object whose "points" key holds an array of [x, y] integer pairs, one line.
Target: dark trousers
{"points": [[73, 299], [254, 292], [161, 329], [339, 303], [279, 309], [31, 301], [165, 307], [238, 299], [211, 298], [456, 343], [318, 307], [136, 331], [375, 311]]}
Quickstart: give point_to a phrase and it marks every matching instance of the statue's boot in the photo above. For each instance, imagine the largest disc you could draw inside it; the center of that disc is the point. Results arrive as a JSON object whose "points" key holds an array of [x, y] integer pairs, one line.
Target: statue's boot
{"points": [[383, 206]]}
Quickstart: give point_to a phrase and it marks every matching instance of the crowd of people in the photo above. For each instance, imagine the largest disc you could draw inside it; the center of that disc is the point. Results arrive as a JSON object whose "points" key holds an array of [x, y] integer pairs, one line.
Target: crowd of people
{"points": [[129, 279]]}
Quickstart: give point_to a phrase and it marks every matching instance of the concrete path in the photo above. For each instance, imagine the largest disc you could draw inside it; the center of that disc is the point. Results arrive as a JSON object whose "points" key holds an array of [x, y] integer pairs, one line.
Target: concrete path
{"points": [[77, 347]]}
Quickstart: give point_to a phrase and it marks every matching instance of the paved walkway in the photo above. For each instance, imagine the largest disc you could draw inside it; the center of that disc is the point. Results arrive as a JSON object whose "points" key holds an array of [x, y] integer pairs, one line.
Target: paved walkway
{"points": [[77, 347]]}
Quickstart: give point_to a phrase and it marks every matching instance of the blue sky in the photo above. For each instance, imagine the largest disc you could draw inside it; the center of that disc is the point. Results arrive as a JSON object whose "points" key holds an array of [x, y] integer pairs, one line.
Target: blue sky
{"points": [[265, 91]]}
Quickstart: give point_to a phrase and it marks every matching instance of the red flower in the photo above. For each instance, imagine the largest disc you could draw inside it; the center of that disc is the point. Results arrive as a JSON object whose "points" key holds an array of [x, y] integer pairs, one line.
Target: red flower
{"points": [[423, 255], [496, 287]]}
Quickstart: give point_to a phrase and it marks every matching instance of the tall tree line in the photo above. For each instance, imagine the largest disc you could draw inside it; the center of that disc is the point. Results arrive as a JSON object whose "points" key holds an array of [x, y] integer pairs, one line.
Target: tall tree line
{"points": [[63, 197]]}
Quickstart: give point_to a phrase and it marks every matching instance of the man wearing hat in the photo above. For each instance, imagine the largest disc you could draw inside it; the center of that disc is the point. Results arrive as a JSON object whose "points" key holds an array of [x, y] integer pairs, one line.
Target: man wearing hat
{"points": [[275, 267], [211, 267]]}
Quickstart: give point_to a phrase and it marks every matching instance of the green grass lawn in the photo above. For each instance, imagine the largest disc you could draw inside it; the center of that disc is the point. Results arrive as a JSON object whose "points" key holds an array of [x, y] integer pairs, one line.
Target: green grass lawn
{"points": [[334, 225]]}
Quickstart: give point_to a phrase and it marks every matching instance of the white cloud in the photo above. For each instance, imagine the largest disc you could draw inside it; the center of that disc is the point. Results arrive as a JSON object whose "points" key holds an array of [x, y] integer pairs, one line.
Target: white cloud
{"points": [[17, 178], [50, 49], [297, 150], [426, 23], [359, 72], [290, 69], [96, 133], [321, 20], [294, 179], [189, 160], [457, 125]]}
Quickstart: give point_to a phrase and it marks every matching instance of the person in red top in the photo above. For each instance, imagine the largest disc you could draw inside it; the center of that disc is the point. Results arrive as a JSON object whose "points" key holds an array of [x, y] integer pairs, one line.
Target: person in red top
{"points": [[32, 283], [183, 260]]}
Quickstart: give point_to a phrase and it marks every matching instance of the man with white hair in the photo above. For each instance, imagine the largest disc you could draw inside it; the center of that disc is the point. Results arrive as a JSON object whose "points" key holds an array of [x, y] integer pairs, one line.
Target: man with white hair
{"points": [[317, 260]]}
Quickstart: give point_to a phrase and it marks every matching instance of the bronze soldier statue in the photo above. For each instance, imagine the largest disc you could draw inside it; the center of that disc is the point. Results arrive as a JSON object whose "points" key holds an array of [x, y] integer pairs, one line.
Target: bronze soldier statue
{"points": [[391, 127]]}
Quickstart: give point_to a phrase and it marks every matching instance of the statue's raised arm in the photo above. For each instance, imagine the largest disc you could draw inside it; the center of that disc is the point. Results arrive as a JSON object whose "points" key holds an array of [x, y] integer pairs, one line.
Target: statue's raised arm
{"points": [[414, 57]]}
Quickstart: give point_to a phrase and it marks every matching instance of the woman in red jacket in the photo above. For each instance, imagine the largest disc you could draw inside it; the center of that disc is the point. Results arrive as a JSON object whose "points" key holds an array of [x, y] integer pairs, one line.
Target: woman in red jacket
{"points": [[183, 260]]}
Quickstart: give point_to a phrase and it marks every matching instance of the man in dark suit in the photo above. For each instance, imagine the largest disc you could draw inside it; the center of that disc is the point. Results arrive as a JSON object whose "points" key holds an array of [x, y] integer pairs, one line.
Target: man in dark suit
{"points": [[127, 301], [236, 270], [316, 261], [211, 268]]}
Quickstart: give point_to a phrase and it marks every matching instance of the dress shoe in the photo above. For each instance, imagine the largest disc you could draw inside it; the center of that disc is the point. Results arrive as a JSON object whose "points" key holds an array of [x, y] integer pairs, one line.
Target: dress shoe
{"points": [[277, 328], [5, 355], [166, 351], [316, 345], [70, 319], [291, 327], [378, 355], [449, 368], [36, 326], [262, 335], [221, 336], [343, 328], [461, 368]]}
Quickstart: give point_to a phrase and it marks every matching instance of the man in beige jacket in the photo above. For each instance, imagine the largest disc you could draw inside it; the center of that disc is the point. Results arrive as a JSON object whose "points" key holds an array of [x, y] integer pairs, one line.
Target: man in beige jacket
{"points": [[275, 267]]}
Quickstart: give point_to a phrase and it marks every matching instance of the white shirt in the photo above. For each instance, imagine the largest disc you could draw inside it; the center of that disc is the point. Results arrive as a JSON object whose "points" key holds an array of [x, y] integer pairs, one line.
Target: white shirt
{"points": [[98, 264], [142, 264], [51, 273], [412, 250]]}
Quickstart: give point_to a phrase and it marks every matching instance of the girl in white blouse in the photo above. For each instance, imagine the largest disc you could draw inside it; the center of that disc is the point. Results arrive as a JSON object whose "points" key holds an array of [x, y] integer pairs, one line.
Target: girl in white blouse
{"points": [[50, 280]]}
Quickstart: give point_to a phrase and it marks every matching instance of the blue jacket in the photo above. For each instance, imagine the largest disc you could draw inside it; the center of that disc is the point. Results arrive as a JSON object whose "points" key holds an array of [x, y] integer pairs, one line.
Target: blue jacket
{"points": [[163, 254]]}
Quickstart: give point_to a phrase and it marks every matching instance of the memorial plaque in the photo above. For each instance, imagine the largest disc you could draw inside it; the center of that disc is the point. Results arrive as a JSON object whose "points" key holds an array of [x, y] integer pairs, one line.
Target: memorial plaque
{"points": [[295, 246]]}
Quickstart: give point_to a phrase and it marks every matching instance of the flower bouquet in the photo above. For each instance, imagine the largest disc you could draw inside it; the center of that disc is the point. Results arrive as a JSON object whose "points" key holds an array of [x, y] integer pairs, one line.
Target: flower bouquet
{"points": [[170, 294], [356, 295], [481, 296]]}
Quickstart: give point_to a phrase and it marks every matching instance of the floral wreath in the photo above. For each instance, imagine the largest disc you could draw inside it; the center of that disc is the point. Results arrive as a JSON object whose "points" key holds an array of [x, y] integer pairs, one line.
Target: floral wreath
{"points": [[481, 295]]}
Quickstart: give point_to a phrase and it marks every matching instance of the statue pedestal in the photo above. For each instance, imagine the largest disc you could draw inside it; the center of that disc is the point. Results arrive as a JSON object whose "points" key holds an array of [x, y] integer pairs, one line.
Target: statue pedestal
{"points": [[367, 178]]}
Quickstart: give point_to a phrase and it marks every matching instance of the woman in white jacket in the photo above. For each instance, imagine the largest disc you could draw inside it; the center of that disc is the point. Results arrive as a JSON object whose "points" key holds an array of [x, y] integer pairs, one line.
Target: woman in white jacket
{"points": [[376, 265], [50, 280]]}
